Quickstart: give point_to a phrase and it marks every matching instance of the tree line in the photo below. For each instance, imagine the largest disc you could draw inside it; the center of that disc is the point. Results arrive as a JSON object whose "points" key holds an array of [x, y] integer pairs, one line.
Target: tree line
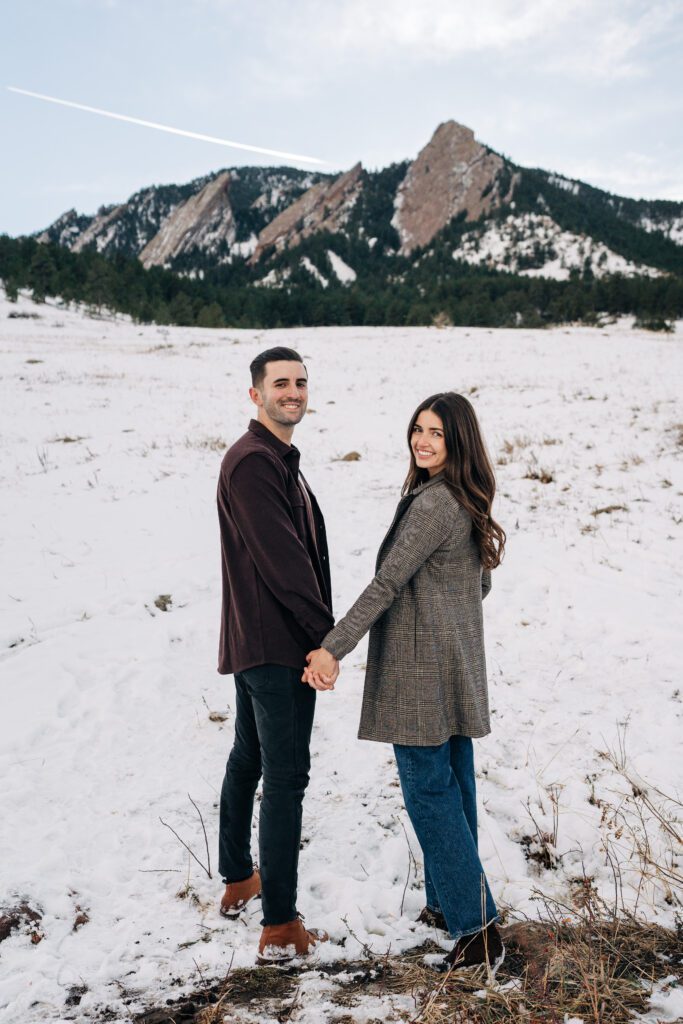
{"points": [[388, 291]]}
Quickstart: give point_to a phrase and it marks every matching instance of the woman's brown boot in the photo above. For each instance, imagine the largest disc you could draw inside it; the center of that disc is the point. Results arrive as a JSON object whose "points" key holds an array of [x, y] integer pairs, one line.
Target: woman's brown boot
{"points": [[484, 947]]}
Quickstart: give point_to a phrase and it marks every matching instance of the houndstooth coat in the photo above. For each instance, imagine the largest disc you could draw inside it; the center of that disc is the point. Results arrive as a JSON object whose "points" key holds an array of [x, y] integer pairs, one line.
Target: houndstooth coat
{"points": [[426, 672]]}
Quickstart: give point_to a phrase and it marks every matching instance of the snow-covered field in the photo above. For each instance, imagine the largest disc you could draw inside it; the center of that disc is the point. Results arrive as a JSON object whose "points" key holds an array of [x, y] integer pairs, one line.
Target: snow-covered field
{"points": [[112, 437]]}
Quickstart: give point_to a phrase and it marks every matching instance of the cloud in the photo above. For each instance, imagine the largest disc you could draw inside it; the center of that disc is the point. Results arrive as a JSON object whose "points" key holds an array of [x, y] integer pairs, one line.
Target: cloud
{"points": [[595, 39], [616, 42], [636, 174], [428, 30]]}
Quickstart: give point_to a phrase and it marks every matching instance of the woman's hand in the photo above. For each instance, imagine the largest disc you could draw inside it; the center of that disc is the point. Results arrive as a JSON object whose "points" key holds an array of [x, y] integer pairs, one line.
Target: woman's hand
{"points": [[322, 670]]}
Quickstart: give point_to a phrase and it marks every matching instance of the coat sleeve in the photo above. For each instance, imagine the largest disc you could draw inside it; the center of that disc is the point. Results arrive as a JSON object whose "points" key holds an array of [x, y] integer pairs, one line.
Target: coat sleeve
{"points": [[425, 526], [485, 583], [260, 509]]}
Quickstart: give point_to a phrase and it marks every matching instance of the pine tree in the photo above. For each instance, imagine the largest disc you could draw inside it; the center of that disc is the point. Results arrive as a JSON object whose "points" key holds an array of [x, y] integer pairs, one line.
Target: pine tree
{"points": [[43, 274], [181, 311], [211, 316]]}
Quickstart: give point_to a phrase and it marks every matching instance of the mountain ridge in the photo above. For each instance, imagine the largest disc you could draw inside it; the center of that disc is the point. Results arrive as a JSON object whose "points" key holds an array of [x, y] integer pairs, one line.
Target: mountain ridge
{"points": [[525, 220]]}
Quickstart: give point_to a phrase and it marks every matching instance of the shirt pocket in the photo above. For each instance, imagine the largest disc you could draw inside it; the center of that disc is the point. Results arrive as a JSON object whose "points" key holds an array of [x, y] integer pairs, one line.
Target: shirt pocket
{"points": [[296, 501]]}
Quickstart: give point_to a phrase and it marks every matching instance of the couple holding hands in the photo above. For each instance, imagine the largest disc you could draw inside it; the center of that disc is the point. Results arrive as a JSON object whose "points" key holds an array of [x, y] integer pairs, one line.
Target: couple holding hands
{"points": [[425, 683]]}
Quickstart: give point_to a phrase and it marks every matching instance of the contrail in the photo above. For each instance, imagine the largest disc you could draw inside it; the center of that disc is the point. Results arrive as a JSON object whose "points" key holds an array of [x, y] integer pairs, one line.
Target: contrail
{"points": [[296, 157]]}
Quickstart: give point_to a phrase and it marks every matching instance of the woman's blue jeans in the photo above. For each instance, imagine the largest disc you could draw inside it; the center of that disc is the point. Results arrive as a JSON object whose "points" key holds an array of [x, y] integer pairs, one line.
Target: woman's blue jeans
{"points": [[440, 795]]}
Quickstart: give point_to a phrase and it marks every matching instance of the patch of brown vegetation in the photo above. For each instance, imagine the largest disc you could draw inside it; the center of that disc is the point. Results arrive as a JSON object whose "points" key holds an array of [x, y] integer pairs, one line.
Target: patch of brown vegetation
{"points": [[22, 916], [591, 965], [544, 476], [210, 444], [608, 509]]}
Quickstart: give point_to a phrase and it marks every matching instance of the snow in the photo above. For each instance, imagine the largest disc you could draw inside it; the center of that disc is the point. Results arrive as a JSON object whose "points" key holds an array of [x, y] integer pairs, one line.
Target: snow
{"points": [[564, 183], [666, 1002], [245, 248], [106, 698], [672, 227], [274, 278], [342, 270], [313, 271], [539, 238]]}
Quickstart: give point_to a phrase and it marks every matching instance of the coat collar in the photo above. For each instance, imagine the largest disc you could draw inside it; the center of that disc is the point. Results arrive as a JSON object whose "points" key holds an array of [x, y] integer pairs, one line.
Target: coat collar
{"points": [[436, 479]]}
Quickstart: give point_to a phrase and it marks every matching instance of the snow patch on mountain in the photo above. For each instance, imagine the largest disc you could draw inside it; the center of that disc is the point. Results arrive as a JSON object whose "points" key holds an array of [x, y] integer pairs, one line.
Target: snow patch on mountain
{"points": [[343, 272], [534, 245], [245, 248], [274, 278], [313, 271], [564, 183], [672, 229]]}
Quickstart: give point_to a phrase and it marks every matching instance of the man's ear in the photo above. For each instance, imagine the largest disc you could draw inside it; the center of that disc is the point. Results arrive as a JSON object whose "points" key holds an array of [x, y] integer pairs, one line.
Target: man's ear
{"points": [[255, 396]]}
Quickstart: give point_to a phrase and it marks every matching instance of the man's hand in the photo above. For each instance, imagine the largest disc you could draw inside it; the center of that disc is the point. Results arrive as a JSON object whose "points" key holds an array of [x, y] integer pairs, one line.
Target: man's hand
{"points": [[322, 670]]}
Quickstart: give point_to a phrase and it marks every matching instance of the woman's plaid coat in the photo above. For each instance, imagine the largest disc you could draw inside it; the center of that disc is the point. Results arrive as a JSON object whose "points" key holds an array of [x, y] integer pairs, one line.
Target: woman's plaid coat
{"points": [[426, 672]]}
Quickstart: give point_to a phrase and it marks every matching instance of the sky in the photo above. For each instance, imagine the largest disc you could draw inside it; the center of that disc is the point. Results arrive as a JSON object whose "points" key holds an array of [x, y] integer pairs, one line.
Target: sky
{"points": [[587, 88]]}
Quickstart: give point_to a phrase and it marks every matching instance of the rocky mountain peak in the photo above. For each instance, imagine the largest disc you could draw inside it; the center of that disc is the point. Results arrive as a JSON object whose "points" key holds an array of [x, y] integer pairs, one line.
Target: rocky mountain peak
{"points": [[201, 222], [323, 207], [452, 174]]}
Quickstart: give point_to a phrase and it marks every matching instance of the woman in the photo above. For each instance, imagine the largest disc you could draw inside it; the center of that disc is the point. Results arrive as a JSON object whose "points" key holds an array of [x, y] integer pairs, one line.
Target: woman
{"points": [[425, 684]]}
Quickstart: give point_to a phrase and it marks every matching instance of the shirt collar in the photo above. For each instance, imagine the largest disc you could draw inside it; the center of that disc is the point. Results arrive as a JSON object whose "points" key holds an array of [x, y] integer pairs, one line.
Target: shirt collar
{"points": [[283, 450]]}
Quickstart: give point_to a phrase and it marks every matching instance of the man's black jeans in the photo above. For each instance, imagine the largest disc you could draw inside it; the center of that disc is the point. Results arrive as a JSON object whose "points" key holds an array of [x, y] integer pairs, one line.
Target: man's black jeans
{"points": [[272, 737]]}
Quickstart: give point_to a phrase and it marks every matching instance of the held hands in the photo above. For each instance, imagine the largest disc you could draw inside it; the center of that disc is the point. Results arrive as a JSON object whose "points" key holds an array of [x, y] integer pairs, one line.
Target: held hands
{"points": [[322, 670]]}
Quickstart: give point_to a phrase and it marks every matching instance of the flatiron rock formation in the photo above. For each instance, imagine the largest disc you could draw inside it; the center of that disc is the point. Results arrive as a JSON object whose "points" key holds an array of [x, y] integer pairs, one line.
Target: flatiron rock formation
{"points": [[457, 202], [452, 174], [323, 207], [201, 222]]}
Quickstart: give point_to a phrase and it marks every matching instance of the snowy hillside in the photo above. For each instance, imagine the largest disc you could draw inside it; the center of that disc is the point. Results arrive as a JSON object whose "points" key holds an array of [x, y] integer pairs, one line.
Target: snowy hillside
{"points": [[532, 244], [113, 713]]}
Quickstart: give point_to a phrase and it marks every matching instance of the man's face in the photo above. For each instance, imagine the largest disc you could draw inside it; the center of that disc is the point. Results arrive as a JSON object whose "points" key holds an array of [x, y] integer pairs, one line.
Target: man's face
{"points": [[283, 394]]}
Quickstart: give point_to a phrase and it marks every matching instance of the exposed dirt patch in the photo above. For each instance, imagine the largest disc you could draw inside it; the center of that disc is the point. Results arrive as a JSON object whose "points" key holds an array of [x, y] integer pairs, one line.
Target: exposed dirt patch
{"points": [[601, 970], [21, 917]]}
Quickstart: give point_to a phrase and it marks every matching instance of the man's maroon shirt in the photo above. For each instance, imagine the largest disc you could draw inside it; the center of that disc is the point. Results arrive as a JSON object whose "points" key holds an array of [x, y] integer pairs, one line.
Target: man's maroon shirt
{"points": [[277, 596]]}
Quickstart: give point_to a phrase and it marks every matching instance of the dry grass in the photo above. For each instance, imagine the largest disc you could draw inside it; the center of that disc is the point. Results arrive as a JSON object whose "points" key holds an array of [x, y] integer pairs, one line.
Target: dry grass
{"points": [[509, 448], [677, 430], [544, 476], [608, 509], [583, 958], [593, 966], [600, 970], [209, 444]]}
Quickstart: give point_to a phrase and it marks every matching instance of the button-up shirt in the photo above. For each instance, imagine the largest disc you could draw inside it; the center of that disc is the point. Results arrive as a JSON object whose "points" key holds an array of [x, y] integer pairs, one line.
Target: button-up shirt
{"points": [[276, 582]]}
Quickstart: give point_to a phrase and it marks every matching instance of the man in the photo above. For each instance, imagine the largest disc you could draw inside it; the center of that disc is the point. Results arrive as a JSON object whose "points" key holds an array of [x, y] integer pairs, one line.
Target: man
{"points": [[276, 608]]}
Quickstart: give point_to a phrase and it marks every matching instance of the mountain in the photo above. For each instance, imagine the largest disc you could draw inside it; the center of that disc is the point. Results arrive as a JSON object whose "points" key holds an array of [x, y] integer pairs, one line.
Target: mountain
{"points": [[457, 192], [460, 235], [209, 221], [325, 206], [453, 175]]}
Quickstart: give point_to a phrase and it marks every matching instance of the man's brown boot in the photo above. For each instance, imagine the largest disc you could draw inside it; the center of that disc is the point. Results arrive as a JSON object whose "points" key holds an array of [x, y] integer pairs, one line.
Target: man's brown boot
{"points": [[238, 895], [282, 942]]}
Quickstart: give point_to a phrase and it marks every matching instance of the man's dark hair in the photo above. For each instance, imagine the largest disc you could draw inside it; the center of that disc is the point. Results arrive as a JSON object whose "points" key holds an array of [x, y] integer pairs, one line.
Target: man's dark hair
{"points": [[271, 355]]}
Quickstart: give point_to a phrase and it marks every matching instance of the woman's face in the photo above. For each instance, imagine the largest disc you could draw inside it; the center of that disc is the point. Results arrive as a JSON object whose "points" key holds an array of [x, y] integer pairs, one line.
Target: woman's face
{"points": [[428, 442]]}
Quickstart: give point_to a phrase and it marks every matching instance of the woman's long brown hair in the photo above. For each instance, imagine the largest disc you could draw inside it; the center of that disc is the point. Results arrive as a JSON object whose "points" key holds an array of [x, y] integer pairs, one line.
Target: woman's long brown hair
{"points": [[468, 470]]}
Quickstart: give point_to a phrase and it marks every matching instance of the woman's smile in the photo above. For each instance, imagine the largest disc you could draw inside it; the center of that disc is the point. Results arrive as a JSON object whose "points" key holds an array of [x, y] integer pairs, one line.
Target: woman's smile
{"points": [[428, 442]]}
